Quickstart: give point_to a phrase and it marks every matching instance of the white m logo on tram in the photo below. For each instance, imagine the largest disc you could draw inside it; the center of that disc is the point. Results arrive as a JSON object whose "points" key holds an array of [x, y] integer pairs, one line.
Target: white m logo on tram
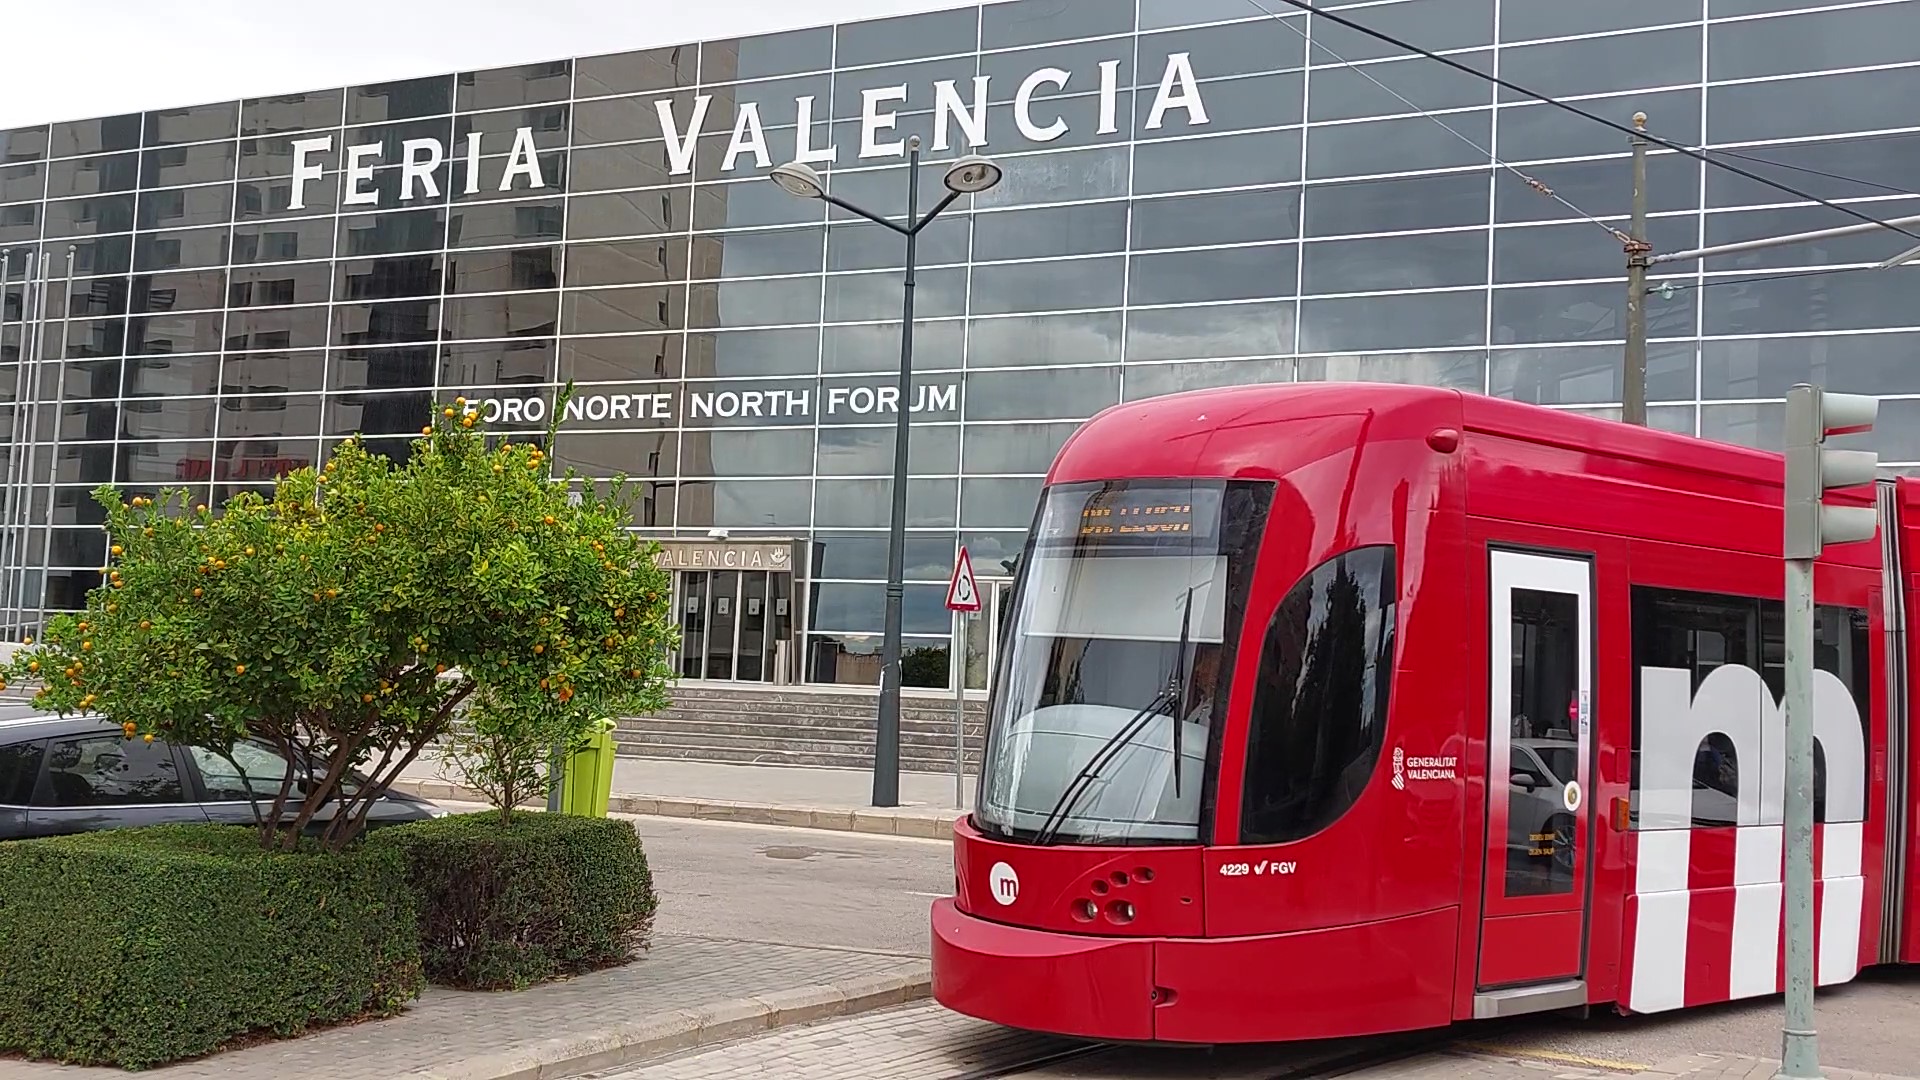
{"points": [[1675, 720], [1735, 702]]}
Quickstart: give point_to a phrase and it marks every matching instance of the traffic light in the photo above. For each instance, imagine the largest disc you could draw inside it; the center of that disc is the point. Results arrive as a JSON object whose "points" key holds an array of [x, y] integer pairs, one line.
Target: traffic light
{"points": [[1813, 470]]}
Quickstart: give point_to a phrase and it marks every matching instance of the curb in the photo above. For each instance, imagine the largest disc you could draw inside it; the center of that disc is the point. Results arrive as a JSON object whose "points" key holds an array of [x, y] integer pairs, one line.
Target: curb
{"points": [[685, 1029], [925, 823]]}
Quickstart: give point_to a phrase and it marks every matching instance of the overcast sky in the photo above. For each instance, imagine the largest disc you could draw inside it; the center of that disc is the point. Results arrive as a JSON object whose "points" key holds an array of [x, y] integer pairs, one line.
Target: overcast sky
{"points": [[118, 56]]}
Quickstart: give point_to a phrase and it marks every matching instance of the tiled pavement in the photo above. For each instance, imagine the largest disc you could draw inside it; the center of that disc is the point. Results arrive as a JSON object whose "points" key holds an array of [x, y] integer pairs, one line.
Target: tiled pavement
{"points": [[924, 1042], [447, 1030]]}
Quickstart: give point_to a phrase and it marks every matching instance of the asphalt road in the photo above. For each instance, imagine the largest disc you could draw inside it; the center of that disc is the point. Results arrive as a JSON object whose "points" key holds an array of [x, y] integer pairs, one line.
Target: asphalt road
{"points": [[794, 886]]}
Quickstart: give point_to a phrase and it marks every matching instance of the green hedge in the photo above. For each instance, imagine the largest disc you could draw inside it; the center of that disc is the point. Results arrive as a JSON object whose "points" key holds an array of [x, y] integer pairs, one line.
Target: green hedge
{"points": [[506, 906], [137, 947]]}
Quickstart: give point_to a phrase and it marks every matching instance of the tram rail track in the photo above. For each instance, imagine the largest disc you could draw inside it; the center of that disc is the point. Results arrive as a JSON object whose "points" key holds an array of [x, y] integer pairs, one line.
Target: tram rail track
{"points": [[1343, 1061]]}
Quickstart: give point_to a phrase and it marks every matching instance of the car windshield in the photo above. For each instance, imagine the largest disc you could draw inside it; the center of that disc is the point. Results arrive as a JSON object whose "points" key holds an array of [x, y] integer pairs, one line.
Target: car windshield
{"points": [[1098, 699]]}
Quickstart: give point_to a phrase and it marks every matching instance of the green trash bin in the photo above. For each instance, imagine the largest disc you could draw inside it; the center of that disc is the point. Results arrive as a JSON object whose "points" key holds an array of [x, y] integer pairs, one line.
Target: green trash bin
{"points": [[586, 786]]}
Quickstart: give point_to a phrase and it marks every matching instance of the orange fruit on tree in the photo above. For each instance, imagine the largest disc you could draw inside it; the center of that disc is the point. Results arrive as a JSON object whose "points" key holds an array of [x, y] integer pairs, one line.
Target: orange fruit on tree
{"points": [[239, 669], [198, 592]]}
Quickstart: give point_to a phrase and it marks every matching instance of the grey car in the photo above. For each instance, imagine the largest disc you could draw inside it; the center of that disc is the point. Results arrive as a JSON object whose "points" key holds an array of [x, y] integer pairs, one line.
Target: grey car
{"points": [[80, 774]]}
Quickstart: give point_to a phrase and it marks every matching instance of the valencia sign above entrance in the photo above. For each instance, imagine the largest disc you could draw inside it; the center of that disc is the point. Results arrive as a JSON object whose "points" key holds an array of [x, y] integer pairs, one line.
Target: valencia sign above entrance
{"points": [[954, 113]]}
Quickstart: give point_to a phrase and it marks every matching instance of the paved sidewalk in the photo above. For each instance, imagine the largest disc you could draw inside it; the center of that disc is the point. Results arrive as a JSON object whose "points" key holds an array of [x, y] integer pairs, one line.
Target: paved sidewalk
{"points": [[838, 799], [685, 992]]}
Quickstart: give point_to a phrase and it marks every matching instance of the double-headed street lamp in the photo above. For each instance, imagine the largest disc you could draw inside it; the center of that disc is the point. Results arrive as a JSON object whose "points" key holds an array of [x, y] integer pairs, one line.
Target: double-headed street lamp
{"points": [[967, 176]]}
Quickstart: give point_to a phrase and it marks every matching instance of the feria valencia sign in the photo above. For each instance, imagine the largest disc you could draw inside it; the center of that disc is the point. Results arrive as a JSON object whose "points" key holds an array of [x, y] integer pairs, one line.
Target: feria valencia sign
{"points": [[959, 117]]}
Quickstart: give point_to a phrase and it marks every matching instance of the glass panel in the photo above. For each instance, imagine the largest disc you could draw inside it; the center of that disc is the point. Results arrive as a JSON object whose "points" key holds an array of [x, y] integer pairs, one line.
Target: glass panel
{"points": [[693, 623], [722, 614], [755, 650], [1234, 217], [1545, 752]]}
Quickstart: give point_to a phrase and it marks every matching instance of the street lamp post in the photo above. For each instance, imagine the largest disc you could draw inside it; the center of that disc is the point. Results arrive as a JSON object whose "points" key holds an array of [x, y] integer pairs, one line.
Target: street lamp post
{"points": [[967, 176]]}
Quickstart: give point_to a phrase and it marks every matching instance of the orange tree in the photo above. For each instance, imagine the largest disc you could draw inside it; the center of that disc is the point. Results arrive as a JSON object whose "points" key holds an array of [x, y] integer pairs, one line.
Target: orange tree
{"points": [[344, 621]]}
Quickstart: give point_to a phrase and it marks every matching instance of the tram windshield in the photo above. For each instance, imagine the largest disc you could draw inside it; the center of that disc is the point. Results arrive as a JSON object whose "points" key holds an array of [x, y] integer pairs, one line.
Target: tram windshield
{"points": [[1115, 679]]}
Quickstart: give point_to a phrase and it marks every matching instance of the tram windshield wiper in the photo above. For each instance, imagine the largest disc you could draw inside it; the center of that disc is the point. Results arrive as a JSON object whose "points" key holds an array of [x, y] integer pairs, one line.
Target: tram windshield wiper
{"points": [[1169, 698]]}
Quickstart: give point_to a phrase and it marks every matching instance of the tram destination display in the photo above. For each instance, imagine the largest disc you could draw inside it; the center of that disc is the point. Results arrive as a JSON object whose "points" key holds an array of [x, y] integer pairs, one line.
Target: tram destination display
{"points": [[1127, 512]]}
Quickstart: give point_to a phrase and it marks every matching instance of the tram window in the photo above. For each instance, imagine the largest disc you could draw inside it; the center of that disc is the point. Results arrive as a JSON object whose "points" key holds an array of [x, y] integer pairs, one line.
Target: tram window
{"points": [[1320, 699], [1694, 776]]}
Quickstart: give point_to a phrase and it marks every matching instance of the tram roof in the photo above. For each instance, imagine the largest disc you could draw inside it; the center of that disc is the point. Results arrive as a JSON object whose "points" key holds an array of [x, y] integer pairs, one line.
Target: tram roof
{"points": [[1410, 407]]}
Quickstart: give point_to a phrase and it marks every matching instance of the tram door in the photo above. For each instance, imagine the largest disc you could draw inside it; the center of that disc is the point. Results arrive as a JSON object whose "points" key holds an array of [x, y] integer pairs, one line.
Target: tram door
{"points": [[1539, 737]]}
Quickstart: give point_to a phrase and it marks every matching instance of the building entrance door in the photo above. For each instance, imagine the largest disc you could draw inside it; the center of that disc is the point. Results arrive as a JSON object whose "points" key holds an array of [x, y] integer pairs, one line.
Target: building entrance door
{"points": [[732, 624]]}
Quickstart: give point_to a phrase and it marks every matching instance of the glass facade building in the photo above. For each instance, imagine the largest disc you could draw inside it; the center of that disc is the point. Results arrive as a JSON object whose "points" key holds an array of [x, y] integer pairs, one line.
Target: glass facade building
{"points": [[1193, 196]]}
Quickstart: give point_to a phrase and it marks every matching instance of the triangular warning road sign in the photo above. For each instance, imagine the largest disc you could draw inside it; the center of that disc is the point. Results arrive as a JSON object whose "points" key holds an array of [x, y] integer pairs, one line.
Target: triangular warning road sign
{"points": [[961, 593]]}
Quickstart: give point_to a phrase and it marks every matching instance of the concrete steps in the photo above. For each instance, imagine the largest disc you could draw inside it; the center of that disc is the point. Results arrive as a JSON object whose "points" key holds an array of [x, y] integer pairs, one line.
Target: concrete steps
{"points": [[775, 726], [782, 726]]}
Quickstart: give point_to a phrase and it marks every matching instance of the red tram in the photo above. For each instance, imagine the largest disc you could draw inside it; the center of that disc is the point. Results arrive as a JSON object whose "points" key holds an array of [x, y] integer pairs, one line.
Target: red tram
{"points": [[1330, 710]]}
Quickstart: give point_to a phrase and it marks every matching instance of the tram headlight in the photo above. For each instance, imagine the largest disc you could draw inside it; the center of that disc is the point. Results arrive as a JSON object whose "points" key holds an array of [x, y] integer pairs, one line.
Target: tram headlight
{"points": [[1120, 911]]}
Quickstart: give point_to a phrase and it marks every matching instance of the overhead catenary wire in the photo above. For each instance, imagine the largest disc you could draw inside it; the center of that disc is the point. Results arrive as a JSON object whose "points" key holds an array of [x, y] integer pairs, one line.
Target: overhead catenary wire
{"points": [[1810, 171], [1530, 181], [1505, 84], [1678, 285]]}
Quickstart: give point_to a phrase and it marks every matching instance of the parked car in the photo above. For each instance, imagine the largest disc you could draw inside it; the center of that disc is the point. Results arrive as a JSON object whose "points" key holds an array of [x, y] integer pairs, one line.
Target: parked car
{"points": [[1537, 814], [79, 774]]}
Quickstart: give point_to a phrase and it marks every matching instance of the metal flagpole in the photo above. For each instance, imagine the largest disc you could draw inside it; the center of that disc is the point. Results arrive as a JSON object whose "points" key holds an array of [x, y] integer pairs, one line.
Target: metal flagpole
{"points": [[53, 466], [20, 351], [23, 543], [22, 361]]}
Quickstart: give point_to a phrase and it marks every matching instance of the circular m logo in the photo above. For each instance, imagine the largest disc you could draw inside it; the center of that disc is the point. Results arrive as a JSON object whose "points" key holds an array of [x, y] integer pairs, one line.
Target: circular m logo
{"points": [[1003, 883]]}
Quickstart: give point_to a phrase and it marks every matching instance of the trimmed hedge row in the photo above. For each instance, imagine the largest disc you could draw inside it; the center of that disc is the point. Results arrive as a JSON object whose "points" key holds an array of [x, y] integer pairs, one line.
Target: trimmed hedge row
{"points": [[139, 947], [506, 906]]}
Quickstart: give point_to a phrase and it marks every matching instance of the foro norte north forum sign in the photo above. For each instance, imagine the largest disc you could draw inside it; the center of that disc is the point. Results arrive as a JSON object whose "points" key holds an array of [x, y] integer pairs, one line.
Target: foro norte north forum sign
{"points": [[654, 405]]}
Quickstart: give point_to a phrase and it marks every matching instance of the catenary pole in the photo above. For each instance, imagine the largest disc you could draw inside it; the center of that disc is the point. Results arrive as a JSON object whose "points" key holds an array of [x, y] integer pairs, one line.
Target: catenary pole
{"points": [[1633, 379]]}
